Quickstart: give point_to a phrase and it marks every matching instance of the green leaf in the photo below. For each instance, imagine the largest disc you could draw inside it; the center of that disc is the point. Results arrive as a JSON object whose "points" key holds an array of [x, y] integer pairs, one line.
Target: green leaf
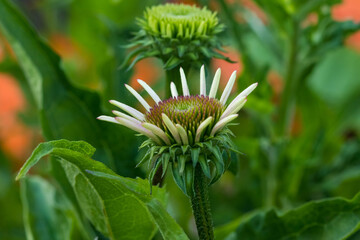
{"points": [[111, 203], [47, 214], [65, 111], [336, 78], [168, 227], [335, 218]]}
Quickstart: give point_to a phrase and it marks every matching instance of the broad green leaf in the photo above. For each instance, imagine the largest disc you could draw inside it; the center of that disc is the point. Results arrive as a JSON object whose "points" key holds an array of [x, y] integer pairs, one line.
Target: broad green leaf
{"points": [[330, 219], [167, 225], [47, 214], [65, 111], [336, 78], [119, 207]]}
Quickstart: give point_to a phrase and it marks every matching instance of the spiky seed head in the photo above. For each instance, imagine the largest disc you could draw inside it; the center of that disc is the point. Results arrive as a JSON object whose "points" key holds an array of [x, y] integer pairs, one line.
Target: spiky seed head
{"points": [[187, 111]]}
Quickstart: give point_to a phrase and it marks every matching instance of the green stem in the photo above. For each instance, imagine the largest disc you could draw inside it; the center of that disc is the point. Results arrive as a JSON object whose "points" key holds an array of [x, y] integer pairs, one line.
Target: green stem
{"points": [[201, 206], [291, 82]]}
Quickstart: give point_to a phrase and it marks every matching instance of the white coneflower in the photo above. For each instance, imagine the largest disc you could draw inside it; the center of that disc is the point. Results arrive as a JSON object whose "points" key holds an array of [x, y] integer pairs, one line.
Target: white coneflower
{"points": [[185, 129]]}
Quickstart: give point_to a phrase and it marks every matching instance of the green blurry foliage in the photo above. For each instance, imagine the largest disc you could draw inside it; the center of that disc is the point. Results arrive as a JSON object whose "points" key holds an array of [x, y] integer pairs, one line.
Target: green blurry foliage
{"points": [[301, 149], [47, 213], [11, 223]]}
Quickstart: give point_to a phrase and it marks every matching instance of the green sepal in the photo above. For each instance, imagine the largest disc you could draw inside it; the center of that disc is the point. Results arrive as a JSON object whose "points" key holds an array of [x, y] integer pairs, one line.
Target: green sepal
{"points": [[153, 172], [195, 156], [167, 50], [182, 161], [165, 162], [132, 54], [172, 63], [151, 157], [219, 169], [144, 159], [173, 153], [184, 148], [177, 178], [205, 166], [181, 50], [189, 179], [162, 149], [146, 143], [142, 55]]}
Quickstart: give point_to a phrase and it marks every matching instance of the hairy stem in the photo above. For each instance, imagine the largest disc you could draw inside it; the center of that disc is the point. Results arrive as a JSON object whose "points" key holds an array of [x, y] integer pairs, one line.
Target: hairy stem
{"points": [[201, 206]]}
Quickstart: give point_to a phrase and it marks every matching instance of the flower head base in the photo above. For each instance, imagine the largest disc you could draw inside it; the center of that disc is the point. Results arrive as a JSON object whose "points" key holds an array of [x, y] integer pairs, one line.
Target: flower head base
{"points": [[186, 112], [185, 130], [177, 34]]}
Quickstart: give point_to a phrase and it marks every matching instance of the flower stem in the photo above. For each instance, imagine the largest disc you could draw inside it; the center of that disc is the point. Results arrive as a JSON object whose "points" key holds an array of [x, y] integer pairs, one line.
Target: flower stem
{"points": [[291, 82], [201, 206]]}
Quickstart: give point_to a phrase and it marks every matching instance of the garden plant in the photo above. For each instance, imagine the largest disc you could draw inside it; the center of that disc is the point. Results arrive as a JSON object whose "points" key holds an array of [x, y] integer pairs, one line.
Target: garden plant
{"points": [[170, 155]]}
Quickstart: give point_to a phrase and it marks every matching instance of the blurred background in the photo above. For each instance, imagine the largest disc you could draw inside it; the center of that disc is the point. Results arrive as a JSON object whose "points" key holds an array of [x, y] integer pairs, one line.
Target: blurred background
{"points": [[299, 146]]}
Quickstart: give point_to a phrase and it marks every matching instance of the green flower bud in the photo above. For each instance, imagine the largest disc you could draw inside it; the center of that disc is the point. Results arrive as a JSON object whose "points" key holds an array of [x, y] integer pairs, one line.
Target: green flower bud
{"points": [[178, 34]]}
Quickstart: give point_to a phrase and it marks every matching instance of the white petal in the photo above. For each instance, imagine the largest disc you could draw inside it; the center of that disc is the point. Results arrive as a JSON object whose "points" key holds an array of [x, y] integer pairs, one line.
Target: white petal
{"points": [[202, 81], [215, 84], [138, 97], [149, 90], [228, 88], [173, 90], [138, 128], [132, 111], [107, 119], [220, 124], [170, 125], [246, 92], [234, 107], [183, 134], [201, 128], [184, 85], [123, 115], [157, 131]]}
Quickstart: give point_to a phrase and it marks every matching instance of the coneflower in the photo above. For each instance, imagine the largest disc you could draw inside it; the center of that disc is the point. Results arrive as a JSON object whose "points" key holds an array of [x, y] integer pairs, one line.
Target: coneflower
{"points": [[188, 132]]}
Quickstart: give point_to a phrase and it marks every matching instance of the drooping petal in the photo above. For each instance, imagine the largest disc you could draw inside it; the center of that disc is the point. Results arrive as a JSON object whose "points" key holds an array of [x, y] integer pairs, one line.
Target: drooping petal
{"points": [[123, 115], [202, 81], [132, 111], [234, 107], [138, 97], [149, 90], [222, 123], [202, 127], [225, 95], [183, 134], [215, 84], [107, 119], [184, 85], [157, 131], [138, 128], [173, 90], [170, 125]]}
